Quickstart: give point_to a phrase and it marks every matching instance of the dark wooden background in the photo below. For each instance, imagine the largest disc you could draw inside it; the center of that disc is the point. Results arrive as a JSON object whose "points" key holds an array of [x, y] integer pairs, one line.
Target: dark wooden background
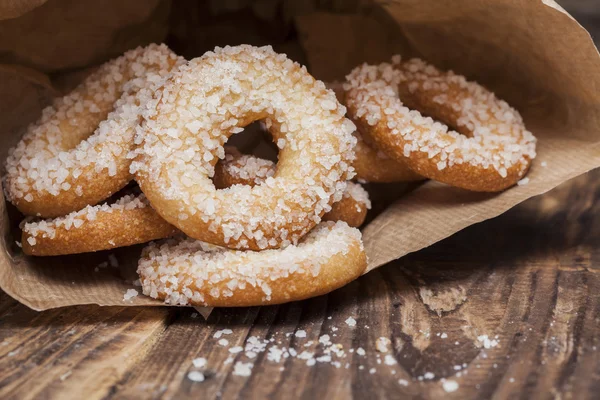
{"points": [[529, 278]]}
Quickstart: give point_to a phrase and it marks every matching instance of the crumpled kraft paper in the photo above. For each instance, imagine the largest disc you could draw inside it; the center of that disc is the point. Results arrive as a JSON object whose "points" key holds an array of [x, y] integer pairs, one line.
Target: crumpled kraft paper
{"points": [[532, 53]]}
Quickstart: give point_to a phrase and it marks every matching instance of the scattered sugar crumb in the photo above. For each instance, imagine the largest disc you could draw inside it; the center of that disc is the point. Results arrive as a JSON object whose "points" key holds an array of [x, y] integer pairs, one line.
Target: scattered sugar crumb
{"points": [[382, 344], [199, 362], [242, 369], [372, 371], [236, 349], [325, 339], [523, 182], [65, 375], [130, 294], [450, 386], [444, 335], [544, 164], [360, 351], [389, 360], [351, 321], [402, 382], [222, 332], [300, 333], [195, 376], [223, 342], [428, 375], [487, 342]]}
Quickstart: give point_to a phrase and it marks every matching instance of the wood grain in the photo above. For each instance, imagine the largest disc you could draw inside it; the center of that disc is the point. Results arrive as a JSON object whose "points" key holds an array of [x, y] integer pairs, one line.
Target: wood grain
{"points": [[531, 277]]}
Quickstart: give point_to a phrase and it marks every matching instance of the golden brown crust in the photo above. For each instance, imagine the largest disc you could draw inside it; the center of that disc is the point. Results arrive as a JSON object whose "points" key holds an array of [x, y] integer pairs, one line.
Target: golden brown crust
{"points": [[372, 165], [46, 205], [349, 210], [109, 230]]}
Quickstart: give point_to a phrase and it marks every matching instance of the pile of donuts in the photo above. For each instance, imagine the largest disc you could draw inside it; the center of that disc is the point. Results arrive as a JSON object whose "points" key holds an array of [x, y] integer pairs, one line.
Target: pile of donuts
{"points": [[137, 153]]}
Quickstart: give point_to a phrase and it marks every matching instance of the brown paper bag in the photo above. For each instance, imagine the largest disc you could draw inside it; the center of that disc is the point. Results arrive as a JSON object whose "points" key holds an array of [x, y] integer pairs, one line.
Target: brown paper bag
{"points": [[532, 53]]}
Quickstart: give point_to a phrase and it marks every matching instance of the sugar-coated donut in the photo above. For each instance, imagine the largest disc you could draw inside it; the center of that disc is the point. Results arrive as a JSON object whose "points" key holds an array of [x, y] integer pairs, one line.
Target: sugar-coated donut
{"points": [[215, 96], [191, 272], [75, 154], [241, 169], [128, 221], [495, 152]]}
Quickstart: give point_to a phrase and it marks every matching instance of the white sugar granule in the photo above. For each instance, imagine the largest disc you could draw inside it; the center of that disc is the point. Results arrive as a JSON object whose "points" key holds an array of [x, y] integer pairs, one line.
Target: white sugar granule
{"points": [[523, 182], [544, 164], [195, 376], [300, 333], [402, 382], [450, 386], [360, 351], [390, 360], [325, 339], [221, 332], [223, 342], [242, 369], [199, 362], [65, 375], [130, 294], [236, 349], [382, 343], [351, 321], [487, 342], [443, 335]]}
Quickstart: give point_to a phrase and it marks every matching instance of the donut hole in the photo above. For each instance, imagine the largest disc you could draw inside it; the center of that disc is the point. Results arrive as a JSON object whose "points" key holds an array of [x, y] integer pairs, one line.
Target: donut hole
{"points": [[249, 155], [434, 111]]}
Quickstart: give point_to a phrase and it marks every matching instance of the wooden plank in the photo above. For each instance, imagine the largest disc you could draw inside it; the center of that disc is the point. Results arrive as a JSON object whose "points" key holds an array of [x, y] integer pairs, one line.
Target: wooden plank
{"points": [[66, 353]]}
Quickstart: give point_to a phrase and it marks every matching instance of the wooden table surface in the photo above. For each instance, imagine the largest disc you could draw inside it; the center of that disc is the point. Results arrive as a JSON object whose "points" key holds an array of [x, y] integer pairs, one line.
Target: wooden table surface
{"points": [[529, 280], [509, 308]]}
